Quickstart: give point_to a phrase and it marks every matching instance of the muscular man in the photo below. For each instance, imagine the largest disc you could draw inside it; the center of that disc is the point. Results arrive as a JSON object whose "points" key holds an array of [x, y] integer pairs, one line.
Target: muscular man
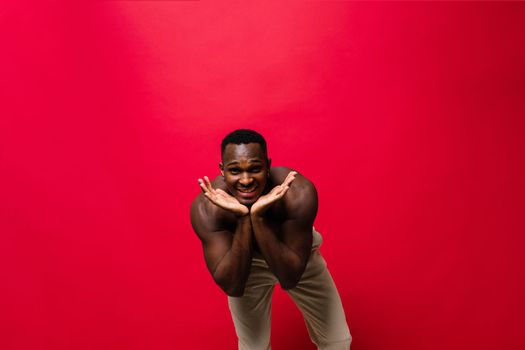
{"points": [[256, 228]]}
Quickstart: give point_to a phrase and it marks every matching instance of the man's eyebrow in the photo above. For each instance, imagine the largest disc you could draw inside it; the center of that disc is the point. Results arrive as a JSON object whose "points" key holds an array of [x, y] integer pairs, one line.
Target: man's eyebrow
{"points": [[249, 161]]}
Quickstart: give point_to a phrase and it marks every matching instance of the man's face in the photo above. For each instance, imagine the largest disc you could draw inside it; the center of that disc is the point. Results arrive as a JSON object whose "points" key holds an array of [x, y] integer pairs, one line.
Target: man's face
{"points": [[245, 171]]}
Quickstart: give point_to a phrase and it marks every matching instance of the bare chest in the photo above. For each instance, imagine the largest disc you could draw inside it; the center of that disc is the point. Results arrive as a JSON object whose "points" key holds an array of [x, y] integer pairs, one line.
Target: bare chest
{"points": [[274, 219]]}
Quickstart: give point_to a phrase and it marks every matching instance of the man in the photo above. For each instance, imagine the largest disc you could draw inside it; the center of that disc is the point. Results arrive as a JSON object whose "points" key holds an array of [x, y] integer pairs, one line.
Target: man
{"points": [[256, 228]]}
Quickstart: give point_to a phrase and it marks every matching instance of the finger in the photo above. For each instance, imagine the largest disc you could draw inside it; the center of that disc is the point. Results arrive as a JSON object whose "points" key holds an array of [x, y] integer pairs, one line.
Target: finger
{"points": [[211, 197], [276, 190], [218, 190], [205, 190], [203, 186], [283, 192], [222, 192], [289, 178], [208, 184], [279, 195]]}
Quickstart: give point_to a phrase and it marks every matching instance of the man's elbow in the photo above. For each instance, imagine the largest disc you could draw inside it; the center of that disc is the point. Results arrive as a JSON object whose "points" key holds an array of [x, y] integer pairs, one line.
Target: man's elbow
{"points": [[290, 283], [285, 285], [234, 292], [231, 289], [292, 280]]}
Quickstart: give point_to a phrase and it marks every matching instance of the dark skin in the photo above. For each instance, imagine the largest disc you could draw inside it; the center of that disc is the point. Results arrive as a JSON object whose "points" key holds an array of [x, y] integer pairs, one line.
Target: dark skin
{"points": [[253, 207]]}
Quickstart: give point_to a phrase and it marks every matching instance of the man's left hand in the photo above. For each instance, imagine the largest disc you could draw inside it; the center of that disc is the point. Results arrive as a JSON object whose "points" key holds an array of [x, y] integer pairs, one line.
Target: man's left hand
{"points": [[278, 192]]}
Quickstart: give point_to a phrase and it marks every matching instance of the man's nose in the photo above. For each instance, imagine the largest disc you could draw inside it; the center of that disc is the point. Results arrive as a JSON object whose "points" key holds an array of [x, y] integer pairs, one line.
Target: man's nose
{"points": [[245, 179]]}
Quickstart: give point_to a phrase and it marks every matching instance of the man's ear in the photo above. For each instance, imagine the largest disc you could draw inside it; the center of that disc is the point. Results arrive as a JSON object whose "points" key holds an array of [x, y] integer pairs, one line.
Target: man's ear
{"points": [[221, 166], [269, 163]]}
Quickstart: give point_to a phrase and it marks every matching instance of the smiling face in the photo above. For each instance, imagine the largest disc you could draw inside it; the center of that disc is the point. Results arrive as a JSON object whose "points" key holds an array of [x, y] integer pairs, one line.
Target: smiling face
{"points": [[245, 168]]}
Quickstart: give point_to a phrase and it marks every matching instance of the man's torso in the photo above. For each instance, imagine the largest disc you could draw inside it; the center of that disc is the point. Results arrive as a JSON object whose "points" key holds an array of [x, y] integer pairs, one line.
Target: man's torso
{"points": [[276, 214]]}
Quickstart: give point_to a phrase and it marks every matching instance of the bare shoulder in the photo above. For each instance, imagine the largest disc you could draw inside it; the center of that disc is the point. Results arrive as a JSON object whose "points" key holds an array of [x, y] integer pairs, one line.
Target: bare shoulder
{"points": [[300, 186], [301, 198]]}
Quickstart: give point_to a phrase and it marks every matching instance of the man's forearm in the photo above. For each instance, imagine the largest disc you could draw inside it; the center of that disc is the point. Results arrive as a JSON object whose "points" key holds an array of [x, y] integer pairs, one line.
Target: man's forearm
{"points": [[282, 261], [233, 270]]}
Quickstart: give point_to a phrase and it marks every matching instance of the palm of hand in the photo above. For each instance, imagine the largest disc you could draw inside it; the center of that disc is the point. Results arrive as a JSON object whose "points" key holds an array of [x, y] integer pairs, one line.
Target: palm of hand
{"points": [[266, 200], [221, 198], [278, 192], [228, 202]]}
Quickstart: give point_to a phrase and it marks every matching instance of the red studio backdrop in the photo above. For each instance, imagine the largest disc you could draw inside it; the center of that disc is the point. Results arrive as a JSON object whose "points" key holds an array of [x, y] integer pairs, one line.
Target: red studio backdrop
{"points": [[408, 117]]}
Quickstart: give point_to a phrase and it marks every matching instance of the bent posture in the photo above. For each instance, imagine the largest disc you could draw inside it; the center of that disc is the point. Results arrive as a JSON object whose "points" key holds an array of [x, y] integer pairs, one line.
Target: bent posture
{"points": [[256, 227]]}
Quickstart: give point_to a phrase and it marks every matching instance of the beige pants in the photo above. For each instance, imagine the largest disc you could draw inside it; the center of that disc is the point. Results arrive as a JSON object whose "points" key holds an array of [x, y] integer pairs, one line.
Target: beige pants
{"points": [[316, 296]]}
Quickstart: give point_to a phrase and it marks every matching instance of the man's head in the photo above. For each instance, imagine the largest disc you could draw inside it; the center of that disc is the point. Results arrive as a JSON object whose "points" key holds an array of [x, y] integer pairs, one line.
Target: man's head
{"points": [[245, 165]]}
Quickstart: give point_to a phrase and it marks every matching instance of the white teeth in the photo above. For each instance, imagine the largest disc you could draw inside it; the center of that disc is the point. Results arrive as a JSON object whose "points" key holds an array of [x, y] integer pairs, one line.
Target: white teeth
{"points": [[243, 191]]}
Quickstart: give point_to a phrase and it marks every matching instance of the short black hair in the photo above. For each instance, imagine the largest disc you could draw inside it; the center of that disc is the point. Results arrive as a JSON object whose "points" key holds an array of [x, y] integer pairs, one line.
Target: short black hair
{"points": [[240, 136]]}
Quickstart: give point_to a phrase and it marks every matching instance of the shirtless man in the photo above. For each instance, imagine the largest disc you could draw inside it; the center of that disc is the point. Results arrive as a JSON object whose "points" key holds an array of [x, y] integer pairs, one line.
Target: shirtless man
{"points": [[256, 228]]}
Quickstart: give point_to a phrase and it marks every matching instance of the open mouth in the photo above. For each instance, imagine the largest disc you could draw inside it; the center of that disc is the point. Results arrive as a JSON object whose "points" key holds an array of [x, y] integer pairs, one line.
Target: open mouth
{"points": [[246, 193]]}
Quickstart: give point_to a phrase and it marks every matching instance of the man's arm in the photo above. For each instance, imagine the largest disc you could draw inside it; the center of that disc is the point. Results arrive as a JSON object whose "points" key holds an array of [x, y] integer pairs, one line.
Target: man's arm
{"points": [[228, 255], [287, 257]]}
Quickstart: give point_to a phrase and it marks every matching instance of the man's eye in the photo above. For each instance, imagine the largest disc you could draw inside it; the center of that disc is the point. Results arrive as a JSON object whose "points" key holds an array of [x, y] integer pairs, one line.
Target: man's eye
{"points": [[234, 171], [256, 170]]}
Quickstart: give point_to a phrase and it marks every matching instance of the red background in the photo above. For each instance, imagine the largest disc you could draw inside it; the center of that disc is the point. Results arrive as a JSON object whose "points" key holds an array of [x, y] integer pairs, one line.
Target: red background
{"points": [[408, 117]]}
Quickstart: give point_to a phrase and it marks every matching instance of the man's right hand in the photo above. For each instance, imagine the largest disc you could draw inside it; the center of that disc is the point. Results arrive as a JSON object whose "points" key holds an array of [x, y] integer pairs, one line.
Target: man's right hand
{"points": [[222, 199]]}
